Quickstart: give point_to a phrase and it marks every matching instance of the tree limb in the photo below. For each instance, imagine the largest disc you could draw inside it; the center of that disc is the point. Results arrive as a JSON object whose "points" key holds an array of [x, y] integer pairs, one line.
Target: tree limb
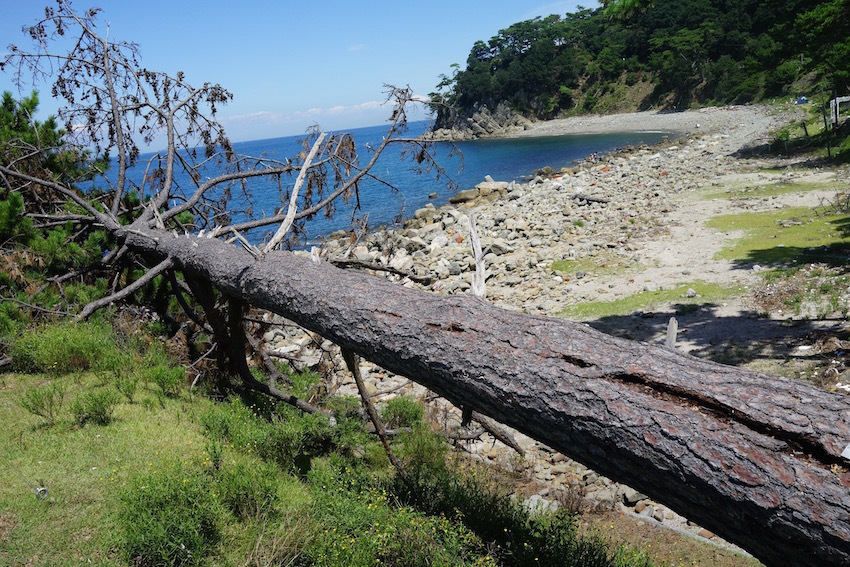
{"points": [[293, 200], [353, 367], [126, 291]]}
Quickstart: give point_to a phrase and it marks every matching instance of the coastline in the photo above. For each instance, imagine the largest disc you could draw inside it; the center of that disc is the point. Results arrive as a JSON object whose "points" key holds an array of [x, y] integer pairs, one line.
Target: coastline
{"points": [[745, 125], [633, 223]]}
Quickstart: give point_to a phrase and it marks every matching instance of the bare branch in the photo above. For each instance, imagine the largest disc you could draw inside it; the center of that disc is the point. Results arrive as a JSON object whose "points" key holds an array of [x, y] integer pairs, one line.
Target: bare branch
{"points": [[178, 290], [293, 200], [126, 291], [106, 220], [351, 360], [479, 286]]}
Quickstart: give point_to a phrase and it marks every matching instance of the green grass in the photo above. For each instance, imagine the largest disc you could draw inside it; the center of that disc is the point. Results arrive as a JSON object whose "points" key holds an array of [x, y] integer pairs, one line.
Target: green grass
{"points": [[788, 236], [771, 189], [605, 264], [648, 300], [161, 478], [82, 468]]}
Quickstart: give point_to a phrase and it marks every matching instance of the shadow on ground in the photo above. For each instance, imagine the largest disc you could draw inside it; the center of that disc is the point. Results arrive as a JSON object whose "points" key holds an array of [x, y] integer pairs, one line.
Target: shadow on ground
{"points": [[735, 340]]}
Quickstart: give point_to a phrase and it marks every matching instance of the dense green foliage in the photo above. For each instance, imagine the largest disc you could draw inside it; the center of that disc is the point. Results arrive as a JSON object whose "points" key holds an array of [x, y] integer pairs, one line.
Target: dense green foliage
{"points": [[21, 134], [40, 237], [682, 52]]}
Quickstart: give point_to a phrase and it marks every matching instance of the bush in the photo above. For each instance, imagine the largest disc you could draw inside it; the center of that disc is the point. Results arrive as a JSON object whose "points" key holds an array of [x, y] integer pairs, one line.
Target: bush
{"points": [[363, 526], [167, 378], [156, 367], [127, 384], [169, 517], [249, 490], [63, 348], [44, 401], [290, 442], [95, 406], [402, 412], [472, 496]]}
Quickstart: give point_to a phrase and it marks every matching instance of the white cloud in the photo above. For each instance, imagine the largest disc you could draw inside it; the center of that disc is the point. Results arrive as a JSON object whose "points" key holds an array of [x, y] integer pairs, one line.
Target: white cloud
{"points": [[261, 116]]}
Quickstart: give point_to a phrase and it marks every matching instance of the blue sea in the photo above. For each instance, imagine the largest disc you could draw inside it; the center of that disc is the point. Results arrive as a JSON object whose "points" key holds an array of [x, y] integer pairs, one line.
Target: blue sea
{"points": [[502, 159]]}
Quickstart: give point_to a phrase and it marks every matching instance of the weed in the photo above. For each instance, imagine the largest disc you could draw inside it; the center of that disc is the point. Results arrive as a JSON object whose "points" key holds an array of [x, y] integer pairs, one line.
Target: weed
{"points": [[127, 384], [363, 526], [44, 401], [402, 412], [95, 406], [63, 348], [167, 378], [520, 536], [290, 441], [249, 490], [170, 517]]}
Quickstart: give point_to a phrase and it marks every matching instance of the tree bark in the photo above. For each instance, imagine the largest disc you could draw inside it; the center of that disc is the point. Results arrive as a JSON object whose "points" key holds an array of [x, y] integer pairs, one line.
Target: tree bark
{"points": [[753, 457]]}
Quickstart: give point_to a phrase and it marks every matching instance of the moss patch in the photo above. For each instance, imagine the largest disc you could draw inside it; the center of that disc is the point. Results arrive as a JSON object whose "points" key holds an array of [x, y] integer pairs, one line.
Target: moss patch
{"points": [[786, 237], [647, 300], [775, 188], [599, 265]]}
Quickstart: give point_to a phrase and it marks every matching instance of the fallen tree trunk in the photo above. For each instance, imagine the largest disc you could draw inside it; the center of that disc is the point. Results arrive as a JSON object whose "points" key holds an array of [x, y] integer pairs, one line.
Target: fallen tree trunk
{"points": [[753, 457]]}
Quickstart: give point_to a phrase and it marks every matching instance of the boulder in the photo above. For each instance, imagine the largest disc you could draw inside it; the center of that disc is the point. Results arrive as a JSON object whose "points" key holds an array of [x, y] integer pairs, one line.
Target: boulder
{"points": [[465, 196]]}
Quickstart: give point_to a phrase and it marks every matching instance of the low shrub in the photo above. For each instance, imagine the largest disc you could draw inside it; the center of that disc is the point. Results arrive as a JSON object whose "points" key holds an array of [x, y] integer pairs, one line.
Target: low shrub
{"points": [[402, 412], [95, 406], [127, 384], [156, 367], [363, 526], [44, 401], [522, 537], [63, 348], [168, 378], [290, 442], [169, 517], [249, 490]]}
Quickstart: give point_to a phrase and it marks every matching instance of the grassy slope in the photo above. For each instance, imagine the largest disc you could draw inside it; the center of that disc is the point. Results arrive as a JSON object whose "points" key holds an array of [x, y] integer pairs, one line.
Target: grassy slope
{"points": [[333, 514], [82, 468]]}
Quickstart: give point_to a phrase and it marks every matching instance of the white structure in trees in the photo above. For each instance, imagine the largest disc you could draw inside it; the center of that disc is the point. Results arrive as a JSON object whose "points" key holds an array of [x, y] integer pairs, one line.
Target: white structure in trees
{"points": [[835, 106]]}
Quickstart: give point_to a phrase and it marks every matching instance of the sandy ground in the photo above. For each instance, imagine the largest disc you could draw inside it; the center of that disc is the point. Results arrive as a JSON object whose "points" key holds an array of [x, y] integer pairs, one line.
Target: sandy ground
{"points": [[745, 124], [686, 251]]}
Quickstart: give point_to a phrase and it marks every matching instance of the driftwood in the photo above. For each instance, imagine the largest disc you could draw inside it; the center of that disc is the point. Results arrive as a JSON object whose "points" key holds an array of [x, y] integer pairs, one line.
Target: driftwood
{"points": [[753, 457]]}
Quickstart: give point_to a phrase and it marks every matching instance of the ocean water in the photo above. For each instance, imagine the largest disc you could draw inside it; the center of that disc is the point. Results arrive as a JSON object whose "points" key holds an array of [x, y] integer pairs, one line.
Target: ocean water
{"points": [[502, 159]]}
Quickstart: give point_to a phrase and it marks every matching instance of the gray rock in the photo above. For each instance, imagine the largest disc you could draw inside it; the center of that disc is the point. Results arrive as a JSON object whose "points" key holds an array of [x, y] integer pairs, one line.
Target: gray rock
{"points": [[537, 504], [465, 196], [499, 247], [632, 496]]}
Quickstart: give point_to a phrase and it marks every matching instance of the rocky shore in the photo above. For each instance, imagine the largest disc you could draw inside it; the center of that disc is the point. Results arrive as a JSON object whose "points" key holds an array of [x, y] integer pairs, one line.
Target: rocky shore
{"points": [[614, 209]]}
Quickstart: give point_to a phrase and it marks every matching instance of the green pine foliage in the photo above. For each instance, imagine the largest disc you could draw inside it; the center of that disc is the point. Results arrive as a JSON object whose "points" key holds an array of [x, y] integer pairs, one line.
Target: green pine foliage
{"points": [[683, 52]]}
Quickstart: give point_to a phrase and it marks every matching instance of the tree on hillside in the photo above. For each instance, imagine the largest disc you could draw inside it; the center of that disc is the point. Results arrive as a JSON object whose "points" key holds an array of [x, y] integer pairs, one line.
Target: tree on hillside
{"points": [[688, 51], [755, 458], [624, 8], [826, 32]]}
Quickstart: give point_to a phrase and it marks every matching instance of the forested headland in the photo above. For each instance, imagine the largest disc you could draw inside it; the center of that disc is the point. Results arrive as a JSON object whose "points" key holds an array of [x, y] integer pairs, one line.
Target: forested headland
{"points": [[662, 54]]}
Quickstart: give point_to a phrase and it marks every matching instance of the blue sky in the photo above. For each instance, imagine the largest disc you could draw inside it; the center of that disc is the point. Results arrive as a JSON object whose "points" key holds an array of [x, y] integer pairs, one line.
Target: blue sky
{"points": [[293, 64]]}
